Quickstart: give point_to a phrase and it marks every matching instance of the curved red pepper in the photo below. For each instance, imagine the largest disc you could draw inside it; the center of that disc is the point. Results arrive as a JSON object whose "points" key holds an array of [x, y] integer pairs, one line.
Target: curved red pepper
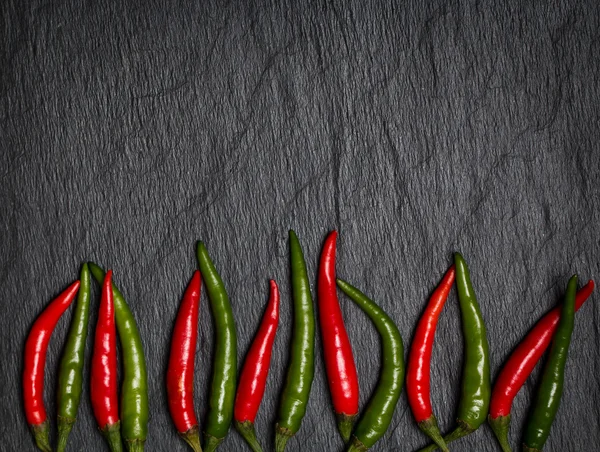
{"points": [[180, 373], [419, 360], [103, 387], [339, 361], [523, 359], [253, 378], [36, 347]]}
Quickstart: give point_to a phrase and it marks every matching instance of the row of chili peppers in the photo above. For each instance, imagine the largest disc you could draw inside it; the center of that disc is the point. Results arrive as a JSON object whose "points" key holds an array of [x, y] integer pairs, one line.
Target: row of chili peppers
{"points": [[226, 404]]}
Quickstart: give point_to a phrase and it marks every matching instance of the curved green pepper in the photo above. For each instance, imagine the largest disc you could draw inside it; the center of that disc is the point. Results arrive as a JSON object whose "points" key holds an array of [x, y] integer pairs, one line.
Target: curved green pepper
{"points": [[476, 384], [301, 369], [134, 390], [70, 374], [550, 391], [377, 416], [222, 393]]}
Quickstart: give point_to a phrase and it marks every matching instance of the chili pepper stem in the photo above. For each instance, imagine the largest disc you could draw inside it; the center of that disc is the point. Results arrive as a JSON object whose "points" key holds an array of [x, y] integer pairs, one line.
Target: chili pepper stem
{"points": [[112, 434], [41, 434], [211, 443], [282, 435], [135, 445], [463, 429], [529, 449], [430, 427], [345, 425], [500, 426], [246, 429], [192, 437], [65, 425], [356, 446]]}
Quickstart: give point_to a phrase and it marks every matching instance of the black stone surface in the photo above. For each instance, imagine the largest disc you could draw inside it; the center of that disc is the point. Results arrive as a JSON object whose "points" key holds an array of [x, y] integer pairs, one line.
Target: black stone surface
{"points": [[131, 130]]}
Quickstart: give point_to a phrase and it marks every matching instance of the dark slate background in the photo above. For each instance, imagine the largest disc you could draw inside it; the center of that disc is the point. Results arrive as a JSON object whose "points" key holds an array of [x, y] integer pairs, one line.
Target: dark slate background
{"points": [[131, 130]]}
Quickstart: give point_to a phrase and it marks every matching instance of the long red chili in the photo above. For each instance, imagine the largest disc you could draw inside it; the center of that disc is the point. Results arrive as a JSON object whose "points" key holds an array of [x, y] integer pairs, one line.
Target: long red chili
{"points": [[521, 363], [253, 378], [36, 347], [419, 361], [339, 361], [180, 373], [103, 385]]}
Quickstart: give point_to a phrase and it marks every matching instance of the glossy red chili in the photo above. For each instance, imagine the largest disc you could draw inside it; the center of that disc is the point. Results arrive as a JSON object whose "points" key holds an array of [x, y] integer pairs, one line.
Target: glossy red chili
{"points": [[253, 378], [419, 361], [337, 351], [36, 347], [180, 373], [521, 363], [103, 385]]}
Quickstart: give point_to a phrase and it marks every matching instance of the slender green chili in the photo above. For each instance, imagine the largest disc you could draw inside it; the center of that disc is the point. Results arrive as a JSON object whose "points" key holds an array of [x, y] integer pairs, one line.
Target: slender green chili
{"points": [[476, 383], [70, 374], [378, 414], [551, 388], [222, 393], [134, 390], [301, 368]]}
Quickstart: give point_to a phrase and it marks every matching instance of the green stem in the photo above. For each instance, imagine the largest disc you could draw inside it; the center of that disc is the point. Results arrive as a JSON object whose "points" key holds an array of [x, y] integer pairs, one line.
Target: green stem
{"points": [[356, 446], [463, 429], [530, 449], [282, 435], [345, 425], [65, 425], [192, 437], [500, 426], [211, 443], [41, 434], [430, 427], [247, 431], [112, 433]]}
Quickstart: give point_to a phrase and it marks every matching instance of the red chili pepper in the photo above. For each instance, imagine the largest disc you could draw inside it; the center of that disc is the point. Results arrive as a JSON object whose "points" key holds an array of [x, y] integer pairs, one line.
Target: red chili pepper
{"points": [[36, 347], [180, 373], [253, 378], [419, 361], [339, 361], [103, 384], [521, 363]]}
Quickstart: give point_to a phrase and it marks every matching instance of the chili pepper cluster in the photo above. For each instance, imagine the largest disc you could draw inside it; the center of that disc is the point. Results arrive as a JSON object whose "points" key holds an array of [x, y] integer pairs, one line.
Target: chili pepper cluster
{"points": [[125, 420]]}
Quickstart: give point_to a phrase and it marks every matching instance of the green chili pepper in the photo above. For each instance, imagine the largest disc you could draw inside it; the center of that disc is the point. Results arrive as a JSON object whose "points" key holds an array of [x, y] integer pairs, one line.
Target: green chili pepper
{"points": [[134, 391], [70, 374], [476, 383], [301, 369], [222, 393], [551, 387], [378, 414]]}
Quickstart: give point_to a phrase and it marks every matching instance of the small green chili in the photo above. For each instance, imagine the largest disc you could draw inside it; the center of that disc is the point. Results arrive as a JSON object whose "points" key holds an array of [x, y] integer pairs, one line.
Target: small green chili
{"points": [[222, 393], [550, 391], [377, 416], [301, 368], [70, 374]]}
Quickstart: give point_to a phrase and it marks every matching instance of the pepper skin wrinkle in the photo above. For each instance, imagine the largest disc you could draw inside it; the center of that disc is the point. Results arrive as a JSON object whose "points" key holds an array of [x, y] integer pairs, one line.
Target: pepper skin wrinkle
{"points": [[339, 360], [103, 386], [36, 347], [253, 378], [180, 372], [419, 362]]}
